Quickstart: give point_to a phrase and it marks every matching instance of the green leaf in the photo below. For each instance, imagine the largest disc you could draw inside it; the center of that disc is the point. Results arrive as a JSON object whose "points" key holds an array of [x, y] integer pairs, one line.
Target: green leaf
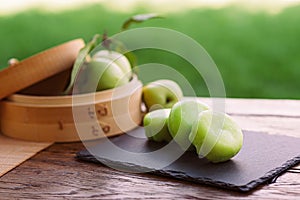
{"points": [[79, 61], [138, 19]]}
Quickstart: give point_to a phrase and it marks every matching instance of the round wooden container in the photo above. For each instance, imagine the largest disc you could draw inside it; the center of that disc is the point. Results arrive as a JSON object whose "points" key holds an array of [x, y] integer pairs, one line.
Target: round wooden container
{"points": [[45, 69], [72, 118]]}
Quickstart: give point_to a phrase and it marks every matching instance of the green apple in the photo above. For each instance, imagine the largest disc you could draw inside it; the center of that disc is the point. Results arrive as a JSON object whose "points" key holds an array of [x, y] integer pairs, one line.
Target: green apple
{"points": [[161, 94], [216, 136], [117, 58], [100, 74], [181, 119], [155, 124]]}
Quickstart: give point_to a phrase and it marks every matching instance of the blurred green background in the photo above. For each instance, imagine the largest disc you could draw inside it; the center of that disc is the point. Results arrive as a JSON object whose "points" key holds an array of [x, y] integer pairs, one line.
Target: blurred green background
{"points": [[257, 53]]}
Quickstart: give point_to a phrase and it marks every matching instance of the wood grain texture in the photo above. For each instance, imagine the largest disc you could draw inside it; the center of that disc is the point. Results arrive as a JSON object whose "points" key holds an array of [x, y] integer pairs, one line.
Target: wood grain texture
{"points": [[56, 174], [259, 107]]}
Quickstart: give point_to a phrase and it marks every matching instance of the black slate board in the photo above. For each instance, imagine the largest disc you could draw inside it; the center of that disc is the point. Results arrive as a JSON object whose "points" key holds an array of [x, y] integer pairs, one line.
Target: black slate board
{"points": [[262, 158]]}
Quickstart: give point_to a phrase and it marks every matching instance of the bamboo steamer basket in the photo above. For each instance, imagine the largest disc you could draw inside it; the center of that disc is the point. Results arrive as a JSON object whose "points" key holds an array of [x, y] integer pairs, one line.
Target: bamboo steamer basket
{"points": [[50, 118], [33, 116]]}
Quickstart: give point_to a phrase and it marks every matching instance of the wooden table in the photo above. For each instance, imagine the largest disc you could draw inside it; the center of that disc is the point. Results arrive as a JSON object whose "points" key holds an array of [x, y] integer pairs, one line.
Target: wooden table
{"points": [[56, 174]]}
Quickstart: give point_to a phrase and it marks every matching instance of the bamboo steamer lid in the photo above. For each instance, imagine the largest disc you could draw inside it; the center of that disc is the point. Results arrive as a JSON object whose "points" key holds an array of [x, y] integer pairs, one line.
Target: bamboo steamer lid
{"points": [[39, 67], [43, 118]]}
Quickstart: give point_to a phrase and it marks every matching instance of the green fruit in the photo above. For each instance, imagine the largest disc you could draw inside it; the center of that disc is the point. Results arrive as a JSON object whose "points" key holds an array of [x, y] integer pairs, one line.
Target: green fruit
{"points": [[224, 138], [100, 74], [161, 94], [182, 116], [155, 124], [117, 58]]}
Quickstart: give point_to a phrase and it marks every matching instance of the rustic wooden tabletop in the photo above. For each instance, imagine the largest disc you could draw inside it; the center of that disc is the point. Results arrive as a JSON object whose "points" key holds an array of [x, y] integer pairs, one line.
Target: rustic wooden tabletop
{"points": [[56, 174]]}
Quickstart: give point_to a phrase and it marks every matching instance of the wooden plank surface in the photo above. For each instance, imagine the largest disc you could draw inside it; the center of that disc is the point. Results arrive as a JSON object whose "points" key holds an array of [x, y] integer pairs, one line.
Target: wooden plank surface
{"points": [[56, 174]]}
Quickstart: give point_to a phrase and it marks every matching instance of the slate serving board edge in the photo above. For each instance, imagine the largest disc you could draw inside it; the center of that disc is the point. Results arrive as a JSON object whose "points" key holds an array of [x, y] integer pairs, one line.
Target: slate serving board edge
{"points": [[86, 156]]}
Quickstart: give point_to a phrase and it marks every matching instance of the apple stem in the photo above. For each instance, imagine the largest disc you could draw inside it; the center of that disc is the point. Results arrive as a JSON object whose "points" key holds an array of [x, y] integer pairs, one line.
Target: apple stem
{"points": [[106, 42]]}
